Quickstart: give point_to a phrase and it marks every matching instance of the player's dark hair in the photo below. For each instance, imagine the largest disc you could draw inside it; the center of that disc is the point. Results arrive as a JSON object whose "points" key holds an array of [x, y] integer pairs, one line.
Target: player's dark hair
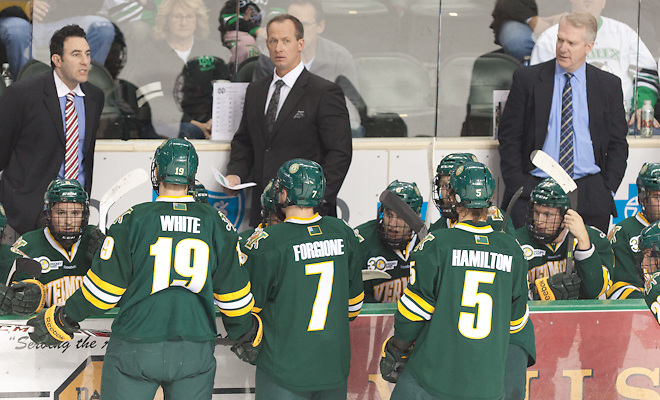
{"points": [[319, 15], [300, 31], [57, 41]]}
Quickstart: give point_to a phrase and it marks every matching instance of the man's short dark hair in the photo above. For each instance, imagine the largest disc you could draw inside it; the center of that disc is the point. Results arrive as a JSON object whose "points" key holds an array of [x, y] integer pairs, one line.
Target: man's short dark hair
{"points": [[300, 31], [319, 15], [57, 41]]}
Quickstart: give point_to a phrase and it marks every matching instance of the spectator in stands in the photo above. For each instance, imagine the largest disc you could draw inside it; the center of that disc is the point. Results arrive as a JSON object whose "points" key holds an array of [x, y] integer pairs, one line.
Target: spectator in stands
{"points": [[615, 51], [48, 16], [34, 138], [181, 37], [239, 33]]}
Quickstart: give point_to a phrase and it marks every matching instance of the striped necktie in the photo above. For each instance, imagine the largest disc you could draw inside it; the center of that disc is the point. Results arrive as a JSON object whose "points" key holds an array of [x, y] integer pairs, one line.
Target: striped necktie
{"points": [[566, 157], [71, 163]]}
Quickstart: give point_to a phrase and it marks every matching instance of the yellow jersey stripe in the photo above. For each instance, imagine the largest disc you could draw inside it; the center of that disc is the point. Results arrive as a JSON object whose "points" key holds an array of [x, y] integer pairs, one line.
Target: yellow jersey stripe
{"points": [[95, 301], [407, 314], [355, 300], [103, 285], [234, 295], [240, 311], [419, 301]]}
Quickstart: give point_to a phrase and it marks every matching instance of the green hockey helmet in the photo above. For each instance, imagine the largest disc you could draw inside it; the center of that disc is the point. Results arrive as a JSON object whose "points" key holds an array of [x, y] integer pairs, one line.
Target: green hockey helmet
{"points": [[304, 183], [198, 192], [269, 198], [3, 221], [648, 181], [175, 161], [545, 227], [409, 193], [66, 191], [648, 258], [473, 185], [444, 204], [394, 232]]}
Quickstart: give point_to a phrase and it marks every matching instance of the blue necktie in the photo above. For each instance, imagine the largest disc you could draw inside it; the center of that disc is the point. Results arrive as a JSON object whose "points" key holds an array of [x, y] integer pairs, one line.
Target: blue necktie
{"points": [[566, 157]]}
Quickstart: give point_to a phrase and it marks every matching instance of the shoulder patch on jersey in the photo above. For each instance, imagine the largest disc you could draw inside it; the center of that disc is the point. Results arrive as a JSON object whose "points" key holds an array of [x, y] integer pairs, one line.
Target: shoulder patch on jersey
{"points": [[314, 230], [179, 206], [652, 281], [229, 226], [495, 213], [634, 244], [358, 236], [612, 235], [20, 242], [120, 218], [480, 239], [428, 238], [242, 257], [530, 252], [253, 240]]}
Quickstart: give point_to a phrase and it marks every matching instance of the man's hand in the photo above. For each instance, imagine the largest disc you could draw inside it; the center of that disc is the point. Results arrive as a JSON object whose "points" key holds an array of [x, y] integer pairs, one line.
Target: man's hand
{"points": [[637, 116], [558, 287], [40, 9], [248, 346], [52, 326], [205, 127], [96, 239], [233, 180], [574, 223], [394, 358]]}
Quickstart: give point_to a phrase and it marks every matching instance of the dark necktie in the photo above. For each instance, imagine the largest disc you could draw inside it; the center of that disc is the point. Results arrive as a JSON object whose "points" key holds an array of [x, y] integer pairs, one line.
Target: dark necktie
{"points": [[566, 158], [271, 112]]}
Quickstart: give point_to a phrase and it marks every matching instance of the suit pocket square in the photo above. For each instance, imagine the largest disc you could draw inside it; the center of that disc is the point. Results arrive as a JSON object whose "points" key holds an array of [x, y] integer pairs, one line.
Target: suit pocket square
{"points": [[299, 114]]}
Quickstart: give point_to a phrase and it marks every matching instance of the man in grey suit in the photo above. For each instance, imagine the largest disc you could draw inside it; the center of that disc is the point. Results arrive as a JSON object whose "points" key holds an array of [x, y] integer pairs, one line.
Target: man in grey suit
{"points": [[533, 119], [291, 114], [33, 132]]}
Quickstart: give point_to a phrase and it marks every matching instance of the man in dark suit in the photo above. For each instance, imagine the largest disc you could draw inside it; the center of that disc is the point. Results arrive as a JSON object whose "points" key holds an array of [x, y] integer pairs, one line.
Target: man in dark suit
{"points": [[33, 132], [292, 114], [532, 120]]}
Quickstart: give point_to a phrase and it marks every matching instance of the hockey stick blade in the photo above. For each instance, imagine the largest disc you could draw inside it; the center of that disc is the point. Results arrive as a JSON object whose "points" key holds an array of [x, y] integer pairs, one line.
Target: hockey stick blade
{"points": [[509, 208], [551, 167], [403, 210], [224, 341], [24, 265], [369, 274], [124, 185]]}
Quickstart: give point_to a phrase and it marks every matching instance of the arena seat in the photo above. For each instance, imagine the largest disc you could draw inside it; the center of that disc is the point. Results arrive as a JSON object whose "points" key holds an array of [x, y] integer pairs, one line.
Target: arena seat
{"points": [[32, 68], [245, 70]]}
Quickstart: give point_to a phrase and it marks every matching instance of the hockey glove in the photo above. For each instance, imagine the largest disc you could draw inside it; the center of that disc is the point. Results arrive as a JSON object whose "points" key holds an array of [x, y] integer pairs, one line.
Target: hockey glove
{"points": [[6, 297], [557, 287], [96, 238], [248, 346], [394, 358], [23, 298], [52, 327]]}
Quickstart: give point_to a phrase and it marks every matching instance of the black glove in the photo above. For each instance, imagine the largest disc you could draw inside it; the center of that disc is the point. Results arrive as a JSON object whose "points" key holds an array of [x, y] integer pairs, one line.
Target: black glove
{"points": [[96, 238], [558, 287], [6, 297], [394, 358], [52, 327], [248, 346], [30, 297]]}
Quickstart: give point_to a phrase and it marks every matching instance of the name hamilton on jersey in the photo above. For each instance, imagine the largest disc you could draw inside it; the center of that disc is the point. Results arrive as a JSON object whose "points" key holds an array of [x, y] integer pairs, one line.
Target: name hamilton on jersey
{"points": [[318, 249], [180, 223], [481, 259]]}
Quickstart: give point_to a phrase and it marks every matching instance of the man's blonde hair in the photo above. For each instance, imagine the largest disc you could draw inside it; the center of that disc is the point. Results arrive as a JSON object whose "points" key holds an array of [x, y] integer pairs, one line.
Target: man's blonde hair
{"points": [[582, 20]]}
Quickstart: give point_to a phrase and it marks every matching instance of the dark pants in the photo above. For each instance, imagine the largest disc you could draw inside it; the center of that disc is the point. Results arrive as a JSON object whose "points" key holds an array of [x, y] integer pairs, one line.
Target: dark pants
{"points": [[595, 201], [267, 389]]}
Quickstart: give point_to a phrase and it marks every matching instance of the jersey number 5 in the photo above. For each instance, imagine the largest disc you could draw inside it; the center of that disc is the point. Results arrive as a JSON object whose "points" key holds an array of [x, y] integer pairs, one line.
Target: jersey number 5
{"points": [[471, 298], [195, 268]]}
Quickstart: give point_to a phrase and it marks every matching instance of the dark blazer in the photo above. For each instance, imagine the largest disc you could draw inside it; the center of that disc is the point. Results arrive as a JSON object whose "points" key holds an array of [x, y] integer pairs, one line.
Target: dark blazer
{"points": [[313, 124], [33, 142], [524, 125]]}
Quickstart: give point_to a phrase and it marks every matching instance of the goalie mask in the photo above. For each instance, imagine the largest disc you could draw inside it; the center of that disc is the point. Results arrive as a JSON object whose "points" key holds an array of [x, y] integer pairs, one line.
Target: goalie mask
{"points": [[304, 183], [199, 193], [546, 208], [66, 206], [648, 191], [441, 196], [393, 231], [3, 221], [269, 215], [175, 161], [472, 185], [648, 258]]}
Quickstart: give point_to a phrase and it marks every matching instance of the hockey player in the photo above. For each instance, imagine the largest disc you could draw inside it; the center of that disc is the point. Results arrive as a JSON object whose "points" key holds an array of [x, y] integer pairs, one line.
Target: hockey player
{"points": [[549, 220], [165, 264], [648, 261], [443, 199], [269, 214], [386, 244], [199, 193], [307, 284], [624, 236], [475, 278], [66, 246]]}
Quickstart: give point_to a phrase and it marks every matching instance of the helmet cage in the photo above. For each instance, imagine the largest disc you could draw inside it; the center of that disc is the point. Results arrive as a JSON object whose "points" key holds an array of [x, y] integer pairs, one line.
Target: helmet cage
{"points": [[392, 231], [64, 191], [546, 235]]}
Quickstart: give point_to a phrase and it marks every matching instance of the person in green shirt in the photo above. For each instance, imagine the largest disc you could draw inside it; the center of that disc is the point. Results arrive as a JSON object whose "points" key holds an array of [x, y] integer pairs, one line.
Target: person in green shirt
{"points": [[624, 236], [648, 261], [467, 295], [387, 243], [269, 214], [168, 265]]}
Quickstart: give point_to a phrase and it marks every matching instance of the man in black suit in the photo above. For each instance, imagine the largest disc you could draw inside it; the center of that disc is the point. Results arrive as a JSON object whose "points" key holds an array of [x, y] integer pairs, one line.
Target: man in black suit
{"points": [[307, 119], [33, 129], [532, 120]]}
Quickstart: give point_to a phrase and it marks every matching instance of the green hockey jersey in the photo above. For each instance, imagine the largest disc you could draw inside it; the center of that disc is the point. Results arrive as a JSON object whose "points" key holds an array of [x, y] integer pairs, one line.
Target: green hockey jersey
{"points": [[652, 295], [165, 264], [495, 220], [377, 256], [307, 284], [624, 238], [475, 278], [62, 271]]}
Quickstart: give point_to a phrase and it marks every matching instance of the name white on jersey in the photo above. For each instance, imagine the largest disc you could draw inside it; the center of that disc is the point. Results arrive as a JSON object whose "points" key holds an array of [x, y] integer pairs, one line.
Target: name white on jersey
{"points": [[180, 223], [318, 249], [481, 259]]}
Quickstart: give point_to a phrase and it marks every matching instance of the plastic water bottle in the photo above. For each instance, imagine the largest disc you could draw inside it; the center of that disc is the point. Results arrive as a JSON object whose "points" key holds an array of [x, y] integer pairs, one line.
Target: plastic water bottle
{"points": [[647, 120], [6, 75]]}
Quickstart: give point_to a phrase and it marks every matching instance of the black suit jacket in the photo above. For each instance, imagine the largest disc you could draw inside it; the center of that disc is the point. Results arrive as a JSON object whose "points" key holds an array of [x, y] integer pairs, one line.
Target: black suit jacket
{"points": [[313, 124], [524, 125], [33, 143]]}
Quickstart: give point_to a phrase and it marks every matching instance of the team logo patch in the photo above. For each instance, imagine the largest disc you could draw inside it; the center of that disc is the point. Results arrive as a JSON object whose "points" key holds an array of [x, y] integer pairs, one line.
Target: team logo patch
{"points": [[294, 168], [179, 207], [233, 208], [379, 263], [314, 230], [612, 235], [634, 244], [228, 224], [253, 240], [652, 281], [242, 257], [479, 239], [357, 235], [530, 252], [459, 170], [47, 265], [428, 238], [120, 218]]}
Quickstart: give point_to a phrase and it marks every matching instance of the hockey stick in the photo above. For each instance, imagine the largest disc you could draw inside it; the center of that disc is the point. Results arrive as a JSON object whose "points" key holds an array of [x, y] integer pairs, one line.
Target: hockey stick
{"points": [[509, 208], [25, 265], [127, 183], [369, 274], [430, 156], [403, 211], [551, 167]]}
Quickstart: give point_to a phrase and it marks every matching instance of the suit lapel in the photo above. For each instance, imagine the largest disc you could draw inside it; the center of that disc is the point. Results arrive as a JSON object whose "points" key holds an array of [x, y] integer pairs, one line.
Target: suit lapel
{"points": [[53, 105], [594, 105], [91, 107], [291, 102], [260, 99], [544, 85]]}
